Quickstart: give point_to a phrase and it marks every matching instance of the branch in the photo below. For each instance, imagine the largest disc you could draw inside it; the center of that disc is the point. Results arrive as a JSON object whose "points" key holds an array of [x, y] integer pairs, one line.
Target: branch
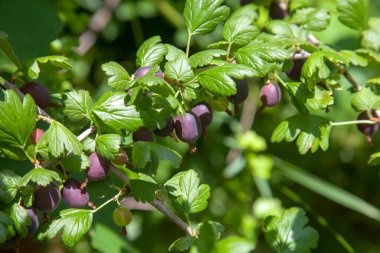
{"points": [[86, 133]]}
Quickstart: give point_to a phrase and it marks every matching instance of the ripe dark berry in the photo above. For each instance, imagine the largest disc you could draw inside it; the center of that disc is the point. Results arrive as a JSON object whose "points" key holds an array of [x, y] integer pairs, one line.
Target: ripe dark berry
{"points": [[32, 212], [188, 128], [73, 195], [244, 2], [38, 92], [242, 91], [143, 70], [204, 113], [368, 129], [36, 135], [98, 169], [46, 198], [295, 72], [121, 158], [142, 134], [278, 9], [270, 94], [167, 130], [122, 216]]}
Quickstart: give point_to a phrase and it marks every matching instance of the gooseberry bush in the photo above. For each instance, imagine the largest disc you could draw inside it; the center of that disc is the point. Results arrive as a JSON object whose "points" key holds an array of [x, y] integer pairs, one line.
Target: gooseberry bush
{"points": [[81, 146]]}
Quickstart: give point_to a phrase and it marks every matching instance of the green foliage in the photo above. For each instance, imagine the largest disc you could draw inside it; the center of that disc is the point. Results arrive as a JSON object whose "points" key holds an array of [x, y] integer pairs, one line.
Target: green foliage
{"points": [[365, 100], [151, 52], [9, 182], [238, 30], [77, 104], [179, 69], [353, 13], [108, 145], [118, 77], [20, 219], [5, 221], [40, 176], [34, 67]]}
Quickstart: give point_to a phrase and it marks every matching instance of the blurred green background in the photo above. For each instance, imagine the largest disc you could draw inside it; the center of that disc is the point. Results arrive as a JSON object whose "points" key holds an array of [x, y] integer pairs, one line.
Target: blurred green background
{"points": [[234, 192]]}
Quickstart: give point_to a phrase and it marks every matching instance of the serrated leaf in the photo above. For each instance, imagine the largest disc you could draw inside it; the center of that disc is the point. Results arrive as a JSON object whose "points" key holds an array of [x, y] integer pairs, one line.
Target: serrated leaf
{"points": [[185, 189], [353, 13], [163, 152], [313, 67], [111, 114], [239, 30], [234, 244], [20, 219], [209, 233], [183, 243], [288, 232], [375, 80], [354, 58], [40, 176], [5, 221], [219, 80], [108, 145], [118, 77], [310, 131], [77, 104], [372, 55], [155, 84], [6, 47], [144, 188], [179, 69], [312, 19], [9, 184], [59, 141], [34, 67], [75, 163], [258, 55], [140, 154], [365, 100], [371, 36], [374, 159], [18, 120], [204, 58], [173, 52], [74, 224], [202, 16], [151, 52]]}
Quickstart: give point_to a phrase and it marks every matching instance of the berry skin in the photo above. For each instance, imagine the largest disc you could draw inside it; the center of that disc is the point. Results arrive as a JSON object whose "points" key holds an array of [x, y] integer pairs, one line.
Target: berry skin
{"points": [[38, 92], [270, 94], [98, 169], [142, 134], [242, 91], [121, 158], [46, 198], [73, 195], [36, 135], [122, 216], [295, 72], [277, 9], [32, 212], [143, 70], [367, 129], [188, 127], [167, 130], [244, 2], [204, 113]]}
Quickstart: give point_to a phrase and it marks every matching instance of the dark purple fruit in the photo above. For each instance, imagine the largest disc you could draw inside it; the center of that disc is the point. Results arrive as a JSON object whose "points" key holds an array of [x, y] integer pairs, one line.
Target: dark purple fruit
{"points": [[242, 91], [188, 128], [46, 198], [143, 70], [142, 134], [73, 195], [270, 94], [32, 212], [367, 129], [121, 158], [99, 167], [38, 92], [204, 113], [244, 2], [295, 72], [167, 130], [36, 135], [278, 9]]}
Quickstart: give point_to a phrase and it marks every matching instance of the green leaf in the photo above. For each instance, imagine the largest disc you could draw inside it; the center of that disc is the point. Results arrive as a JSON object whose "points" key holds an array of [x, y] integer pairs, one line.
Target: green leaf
{"points": [[144, 188], [111, 114], [5, 221], [312, 132], [75, 223], [118, 77], [365, 100], [108, 145], [77, 104], [372, 55], [31, 35], [219, 80], [184, 188], [239, 30], [7, 49], [314, 66], [353, 13], [234, 244], [374, 159], [141, 154], [183, 243], [179, 69], [371, 36], [18, 120], [35, 66], [20, 219], [375, 80], [354, 58], [258, 55], [312, 19], [163, 152], [204, 58], [75, 163], [155, 84], [9, 183], [288, 232], [151, 52], [59, 140], [202, 16], [173, 52], [40, 176], [209, 233]]}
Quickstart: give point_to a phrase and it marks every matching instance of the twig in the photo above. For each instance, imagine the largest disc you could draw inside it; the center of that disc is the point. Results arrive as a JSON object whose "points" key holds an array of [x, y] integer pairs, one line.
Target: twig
{"points": [[86, 133]]}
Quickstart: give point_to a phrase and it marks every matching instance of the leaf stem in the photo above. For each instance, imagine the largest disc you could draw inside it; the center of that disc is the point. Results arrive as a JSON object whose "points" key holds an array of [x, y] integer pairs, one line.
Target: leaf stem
{"points": [[188, 45], [263, 186], [86, 133], [280, 80], [352, 122], [228, 51], [104, 204]]}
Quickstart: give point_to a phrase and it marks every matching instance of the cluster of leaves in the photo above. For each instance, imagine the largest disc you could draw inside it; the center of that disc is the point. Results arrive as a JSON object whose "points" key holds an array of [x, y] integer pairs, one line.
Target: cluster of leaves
{"points": [[253, 46]]}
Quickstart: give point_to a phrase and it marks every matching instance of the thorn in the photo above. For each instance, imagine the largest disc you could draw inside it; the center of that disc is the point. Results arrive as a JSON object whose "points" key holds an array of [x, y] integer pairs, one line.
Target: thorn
{"points": [[84, 184], [46, 217], [192, 148], [261, 109], [228, 111]]}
